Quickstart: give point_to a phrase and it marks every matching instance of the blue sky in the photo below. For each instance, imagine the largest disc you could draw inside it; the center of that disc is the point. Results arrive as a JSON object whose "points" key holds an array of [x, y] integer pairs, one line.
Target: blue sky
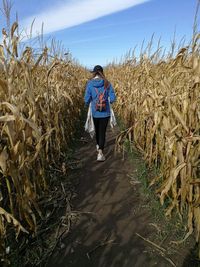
{"points": [[96, 32]]}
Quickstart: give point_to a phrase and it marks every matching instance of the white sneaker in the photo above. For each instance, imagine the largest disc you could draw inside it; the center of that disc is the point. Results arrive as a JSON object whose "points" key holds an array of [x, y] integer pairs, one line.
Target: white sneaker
{"points": [[100, 157], [97, 146]]}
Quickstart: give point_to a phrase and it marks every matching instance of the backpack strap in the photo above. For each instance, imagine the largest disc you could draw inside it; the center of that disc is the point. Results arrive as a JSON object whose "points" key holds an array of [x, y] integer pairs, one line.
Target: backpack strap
{"points": [[96, 90], [105, 88]]}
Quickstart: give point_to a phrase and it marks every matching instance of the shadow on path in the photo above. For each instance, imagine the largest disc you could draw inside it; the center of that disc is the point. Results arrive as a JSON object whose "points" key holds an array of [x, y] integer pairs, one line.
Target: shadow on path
{"points": [[112, 214]]}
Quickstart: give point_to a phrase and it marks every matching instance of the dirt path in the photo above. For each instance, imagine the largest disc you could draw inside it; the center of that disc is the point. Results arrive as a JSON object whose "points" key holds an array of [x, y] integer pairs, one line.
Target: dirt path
{"points": [[112, 213]]}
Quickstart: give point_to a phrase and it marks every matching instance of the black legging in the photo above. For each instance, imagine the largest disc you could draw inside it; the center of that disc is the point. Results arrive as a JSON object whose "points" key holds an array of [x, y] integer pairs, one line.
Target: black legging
{"points": [[100, 130]]}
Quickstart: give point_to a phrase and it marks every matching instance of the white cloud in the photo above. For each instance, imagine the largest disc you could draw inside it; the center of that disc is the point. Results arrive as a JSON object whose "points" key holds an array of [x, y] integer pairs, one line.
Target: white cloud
{"points": [[74, 13]]}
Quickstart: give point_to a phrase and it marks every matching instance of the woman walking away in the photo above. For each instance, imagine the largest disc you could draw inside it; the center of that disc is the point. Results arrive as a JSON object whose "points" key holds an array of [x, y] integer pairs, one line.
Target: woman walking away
{"points": [[99, 92]]}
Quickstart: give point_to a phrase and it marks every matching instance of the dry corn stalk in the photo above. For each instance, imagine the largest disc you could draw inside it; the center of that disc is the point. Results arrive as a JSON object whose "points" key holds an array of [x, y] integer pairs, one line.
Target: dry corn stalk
{"points": [[159, 102], [40, 102]]}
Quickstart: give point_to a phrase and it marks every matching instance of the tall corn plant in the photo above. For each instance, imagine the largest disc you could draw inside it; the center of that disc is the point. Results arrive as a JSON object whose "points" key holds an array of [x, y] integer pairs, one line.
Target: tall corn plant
{"points": [[39, 105], [159, 101]]}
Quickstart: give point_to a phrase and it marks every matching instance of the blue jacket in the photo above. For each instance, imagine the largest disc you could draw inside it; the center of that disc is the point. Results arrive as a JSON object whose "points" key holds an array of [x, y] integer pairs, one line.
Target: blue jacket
{"points": [[91, 96]]}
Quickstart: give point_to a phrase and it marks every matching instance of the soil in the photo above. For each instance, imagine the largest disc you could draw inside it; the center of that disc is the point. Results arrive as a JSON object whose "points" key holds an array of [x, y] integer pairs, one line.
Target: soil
{"points": [[112, 212]]}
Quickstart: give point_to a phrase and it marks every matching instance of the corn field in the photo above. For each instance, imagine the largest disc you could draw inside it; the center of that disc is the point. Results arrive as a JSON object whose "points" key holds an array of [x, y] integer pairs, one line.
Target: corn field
{"points": [[159, 102], [41, 98], [40, 101]]}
